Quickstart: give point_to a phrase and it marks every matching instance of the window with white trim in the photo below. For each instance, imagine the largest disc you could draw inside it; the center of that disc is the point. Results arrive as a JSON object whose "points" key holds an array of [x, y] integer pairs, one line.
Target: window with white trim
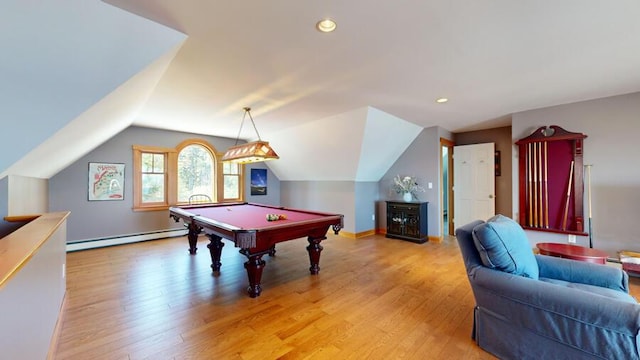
{"points": [[168, 176]]}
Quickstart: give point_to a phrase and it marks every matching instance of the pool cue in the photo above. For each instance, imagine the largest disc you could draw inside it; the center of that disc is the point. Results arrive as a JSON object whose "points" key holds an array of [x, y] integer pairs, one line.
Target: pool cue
{"points": [[589, 197], [540, 185], [546, 187], [535, 184], [529, 168], [566, 206]]}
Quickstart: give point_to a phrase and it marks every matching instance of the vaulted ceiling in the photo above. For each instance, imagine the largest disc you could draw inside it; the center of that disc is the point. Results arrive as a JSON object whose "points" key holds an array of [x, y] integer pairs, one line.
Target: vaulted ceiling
{"points": [[374, 80]]}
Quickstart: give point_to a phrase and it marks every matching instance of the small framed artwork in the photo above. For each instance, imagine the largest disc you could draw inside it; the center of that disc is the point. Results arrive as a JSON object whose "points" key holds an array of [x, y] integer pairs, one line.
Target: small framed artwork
{"points": [[106, 181], [497, 162], [258, 181]]}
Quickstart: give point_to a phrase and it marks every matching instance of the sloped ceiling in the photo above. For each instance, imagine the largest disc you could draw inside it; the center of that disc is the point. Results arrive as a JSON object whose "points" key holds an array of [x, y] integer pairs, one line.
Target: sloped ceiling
{"points": [[109, 116], [491, 58], [358, 145], [60, 58], [385, 138]]}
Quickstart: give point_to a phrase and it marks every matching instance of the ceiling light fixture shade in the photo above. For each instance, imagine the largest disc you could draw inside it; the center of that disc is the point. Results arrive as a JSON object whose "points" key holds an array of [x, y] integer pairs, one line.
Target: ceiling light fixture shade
{"points": [[326, 25], [252, 152]]}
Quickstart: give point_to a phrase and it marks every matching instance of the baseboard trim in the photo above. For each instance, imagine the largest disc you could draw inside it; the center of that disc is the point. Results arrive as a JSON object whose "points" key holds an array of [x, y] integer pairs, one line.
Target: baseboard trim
{"points": [[124, 239], [359, 235]]}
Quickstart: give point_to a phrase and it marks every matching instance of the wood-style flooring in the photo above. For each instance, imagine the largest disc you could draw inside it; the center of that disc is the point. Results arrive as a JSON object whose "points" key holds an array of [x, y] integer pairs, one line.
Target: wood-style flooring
{"points": [[375, 298]]}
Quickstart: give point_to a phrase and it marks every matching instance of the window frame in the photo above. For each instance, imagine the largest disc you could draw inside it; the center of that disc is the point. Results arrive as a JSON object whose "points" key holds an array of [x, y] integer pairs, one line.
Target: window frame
{"points": [[169, 178], [215, 156], [240, 176], [171, 175]]}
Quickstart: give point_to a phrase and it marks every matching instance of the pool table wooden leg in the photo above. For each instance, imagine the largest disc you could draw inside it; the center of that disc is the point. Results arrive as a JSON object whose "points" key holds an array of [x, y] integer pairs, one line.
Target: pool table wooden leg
{"points": [[314, 250], [215, 248], [194, 230], [254, 267]]}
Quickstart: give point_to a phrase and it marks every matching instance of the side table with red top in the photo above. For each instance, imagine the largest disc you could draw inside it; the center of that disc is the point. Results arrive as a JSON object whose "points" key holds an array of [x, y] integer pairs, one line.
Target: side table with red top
{"points": [[573, 252]]}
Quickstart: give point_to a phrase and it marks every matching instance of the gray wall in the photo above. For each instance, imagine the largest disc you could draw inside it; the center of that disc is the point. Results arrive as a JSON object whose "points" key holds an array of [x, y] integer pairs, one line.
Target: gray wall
{"points": [[612, 147], [273, 186], [422, 160], [355, 200], [326, 196], [503, 143], [100, 219], [366, 195]]}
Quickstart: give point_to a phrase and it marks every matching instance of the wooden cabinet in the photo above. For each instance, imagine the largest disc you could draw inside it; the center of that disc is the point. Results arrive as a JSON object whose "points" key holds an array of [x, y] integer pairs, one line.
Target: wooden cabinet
{"points": [[407, 221]]}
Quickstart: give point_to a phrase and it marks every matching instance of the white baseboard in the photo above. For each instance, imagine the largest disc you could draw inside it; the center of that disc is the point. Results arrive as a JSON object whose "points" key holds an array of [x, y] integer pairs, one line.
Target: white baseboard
{"points": [[124, 239]]}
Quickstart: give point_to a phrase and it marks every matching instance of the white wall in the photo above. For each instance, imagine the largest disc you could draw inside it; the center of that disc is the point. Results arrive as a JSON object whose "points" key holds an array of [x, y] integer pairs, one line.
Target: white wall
{"points": [[27, 195], [613, 148], [31, 299]]}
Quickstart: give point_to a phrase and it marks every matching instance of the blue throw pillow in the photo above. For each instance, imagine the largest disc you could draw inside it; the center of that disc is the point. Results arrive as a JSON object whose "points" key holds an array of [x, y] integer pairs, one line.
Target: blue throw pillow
{"points": [[503, 245]]}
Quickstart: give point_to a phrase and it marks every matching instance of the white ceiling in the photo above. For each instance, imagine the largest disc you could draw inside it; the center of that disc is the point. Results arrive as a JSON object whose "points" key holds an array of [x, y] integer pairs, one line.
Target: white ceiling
{"points": [[383, 67], [490, 57]]}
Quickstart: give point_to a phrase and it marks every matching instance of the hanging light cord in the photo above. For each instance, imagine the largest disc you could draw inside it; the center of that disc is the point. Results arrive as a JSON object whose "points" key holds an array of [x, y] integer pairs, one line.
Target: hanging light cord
{"points": [[247, 110]]}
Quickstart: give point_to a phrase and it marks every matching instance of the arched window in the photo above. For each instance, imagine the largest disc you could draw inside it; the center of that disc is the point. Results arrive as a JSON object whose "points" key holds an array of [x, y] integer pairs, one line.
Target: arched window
{"points": [[196, 172], [165, 177]]}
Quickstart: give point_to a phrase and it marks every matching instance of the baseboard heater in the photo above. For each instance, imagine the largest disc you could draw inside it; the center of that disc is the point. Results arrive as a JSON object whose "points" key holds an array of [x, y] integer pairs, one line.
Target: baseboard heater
{"points": [[123, 239]]}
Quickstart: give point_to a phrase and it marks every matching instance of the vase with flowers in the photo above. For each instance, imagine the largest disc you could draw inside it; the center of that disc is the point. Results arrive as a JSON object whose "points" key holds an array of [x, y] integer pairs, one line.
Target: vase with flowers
{"points": [[407, 186]]}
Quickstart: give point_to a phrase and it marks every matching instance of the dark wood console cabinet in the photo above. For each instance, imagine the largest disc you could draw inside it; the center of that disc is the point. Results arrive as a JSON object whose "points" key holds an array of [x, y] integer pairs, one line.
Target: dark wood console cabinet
{"points": [[407, 221]]}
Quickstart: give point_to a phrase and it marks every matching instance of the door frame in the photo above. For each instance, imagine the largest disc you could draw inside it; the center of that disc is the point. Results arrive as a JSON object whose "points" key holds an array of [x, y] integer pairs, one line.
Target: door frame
{"points": [[449, 145]]}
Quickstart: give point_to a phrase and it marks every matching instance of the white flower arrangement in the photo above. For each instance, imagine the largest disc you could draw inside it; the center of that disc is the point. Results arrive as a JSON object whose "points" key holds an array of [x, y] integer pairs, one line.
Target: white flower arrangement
{"points": [[407, 184]]}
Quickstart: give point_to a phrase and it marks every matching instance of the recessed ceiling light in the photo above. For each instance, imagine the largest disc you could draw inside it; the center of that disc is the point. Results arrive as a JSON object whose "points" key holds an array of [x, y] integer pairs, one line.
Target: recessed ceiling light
{"points": [[442, 100], [326, 25]]}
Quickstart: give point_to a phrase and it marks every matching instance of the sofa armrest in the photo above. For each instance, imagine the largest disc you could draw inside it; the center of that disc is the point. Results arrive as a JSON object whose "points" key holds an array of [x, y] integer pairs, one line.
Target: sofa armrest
{"points": [[583, 272], [566, 315]]}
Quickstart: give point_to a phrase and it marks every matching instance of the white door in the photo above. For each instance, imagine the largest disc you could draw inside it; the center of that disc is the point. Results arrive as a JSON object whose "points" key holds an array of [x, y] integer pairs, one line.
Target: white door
{"points": [[473, 183]]}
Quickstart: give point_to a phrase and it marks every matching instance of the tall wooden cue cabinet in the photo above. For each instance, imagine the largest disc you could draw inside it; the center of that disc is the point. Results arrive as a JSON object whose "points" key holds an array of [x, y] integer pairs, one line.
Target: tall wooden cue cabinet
{"points": [[551, 188]]}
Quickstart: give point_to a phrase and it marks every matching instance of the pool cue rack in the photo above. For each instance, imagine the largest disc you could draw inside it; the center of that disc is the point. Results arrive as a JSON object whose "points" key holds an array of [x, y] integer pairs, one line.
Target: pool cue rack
{"points": [[551, 175]]}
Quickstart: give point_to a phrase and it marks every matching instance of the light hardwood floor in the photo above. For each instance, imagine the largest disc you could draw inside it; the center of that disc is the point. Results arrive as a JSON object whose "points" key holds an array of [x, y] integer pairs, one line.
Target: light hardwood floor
{"points": [[375, 298]]}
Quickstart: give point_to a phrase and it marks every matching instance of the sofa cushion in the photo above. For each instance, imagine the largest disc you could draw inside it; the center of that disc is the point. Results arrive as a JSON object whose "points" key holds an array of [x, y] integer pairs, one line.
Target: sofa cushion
{"points": [[503, 245]]}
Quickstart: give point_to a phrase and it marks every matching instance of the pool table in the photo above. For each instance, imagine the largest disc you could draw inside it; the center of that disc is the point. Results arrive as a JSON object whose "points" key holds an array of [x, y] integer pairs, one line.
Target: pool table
{"points": [[248, 227]]}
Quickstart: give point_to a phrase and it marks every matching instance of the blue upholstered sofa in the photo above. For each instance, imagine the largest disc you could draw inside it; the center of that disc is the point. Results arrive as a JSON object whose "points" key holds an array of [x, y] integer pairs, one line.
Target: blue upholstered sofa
{"points": [[532, 306]]}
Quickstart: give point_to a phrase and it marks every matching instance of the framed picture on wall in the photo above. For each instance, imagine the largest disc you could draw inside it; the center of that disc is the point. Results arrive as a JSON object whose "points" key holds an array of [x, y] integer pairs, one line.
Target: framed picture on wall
{"points": [[106, 181], [258, 181]]}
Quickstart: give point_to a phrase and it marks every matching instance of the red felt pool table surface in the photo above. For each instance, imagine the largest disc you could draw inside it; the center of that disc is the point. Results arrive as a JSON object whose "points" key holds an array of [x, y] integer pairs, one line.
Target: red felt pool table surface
{"points": [[253, 216]]}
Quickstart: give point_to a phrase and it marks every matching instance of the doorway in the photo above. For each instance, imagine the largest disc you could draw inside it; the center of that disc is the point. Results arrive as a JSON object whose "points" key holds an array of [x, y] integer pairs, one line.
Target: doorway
{"points": [[474, 183], [446, 194]]}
